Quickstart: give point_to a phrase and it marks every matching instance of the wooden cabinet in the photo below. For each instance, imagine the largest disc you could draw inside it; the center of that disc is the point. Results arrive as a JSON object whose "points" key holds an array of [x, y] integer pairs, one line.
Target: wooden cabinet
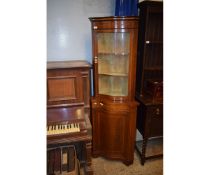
{"points": [[68, 84], [113, 104], [149, 76]]}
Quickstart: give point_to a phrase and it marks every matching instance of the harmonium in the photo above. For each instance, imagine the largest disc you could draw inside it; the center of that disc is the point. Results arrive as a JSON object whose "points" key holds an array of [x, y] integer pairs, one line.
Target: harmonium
{"points": [[69, 131]]}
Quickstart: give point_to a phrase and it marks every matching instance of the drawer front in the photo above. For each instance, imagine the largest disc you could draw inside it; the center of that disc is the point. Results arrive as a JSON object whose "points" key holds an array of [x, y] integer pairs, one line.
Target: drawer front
{"points": [[155, 120]]}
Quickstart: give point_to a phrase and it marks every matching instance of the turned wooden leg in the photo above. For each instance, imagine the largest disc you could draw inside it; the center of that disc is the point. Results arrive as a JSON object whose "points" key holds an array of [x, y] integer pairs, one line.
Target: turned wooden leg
{"points": [[88, 163], [144, 145]]}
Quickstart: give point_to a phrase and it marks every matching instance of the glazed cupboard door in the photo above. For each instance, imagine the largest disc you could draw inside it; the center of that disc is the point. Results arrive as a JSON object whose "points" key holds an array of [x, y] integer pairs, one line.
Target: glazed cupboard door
{"points": [[113, 50], [114, 47]]}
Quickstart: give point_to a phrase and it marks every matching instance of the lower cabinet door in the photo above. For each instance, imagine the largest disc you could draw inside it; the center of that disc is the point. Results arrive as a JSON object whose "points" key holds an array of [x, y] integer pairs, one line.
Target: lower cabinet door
{"points": [[114, 128], [113, 133]]}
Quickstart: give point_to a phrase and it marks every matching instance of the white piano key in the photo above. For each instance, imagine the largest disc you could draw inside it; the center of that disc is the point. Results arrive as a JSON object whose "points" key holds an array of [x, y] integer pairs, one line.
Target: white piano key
{"points": [[63, 128]]}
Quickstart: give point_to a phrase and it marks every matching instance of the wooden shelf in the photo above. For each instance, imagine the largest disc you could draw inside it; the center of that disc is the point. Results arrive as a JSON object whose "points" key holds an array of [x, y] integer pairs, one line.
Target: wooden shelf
{"points": [[116, 94], [114, 74], [115, 54], [154, 147]]}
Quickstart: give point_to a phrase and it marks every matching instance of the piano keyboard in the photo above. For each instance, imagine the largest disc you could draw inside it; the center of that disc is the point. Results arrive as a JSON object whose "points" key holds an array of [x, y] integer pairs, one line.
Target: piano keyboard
{"points": [[62, 129]]}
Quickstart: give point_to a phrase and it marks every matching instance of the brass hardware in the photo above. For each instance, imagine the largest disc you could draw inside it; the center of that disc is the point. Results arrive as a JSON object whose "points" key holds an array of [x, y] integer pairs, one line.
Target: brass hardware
{"points": [[95, 27], [96, 59], [95, 103], [157, 111], [101, 104]]}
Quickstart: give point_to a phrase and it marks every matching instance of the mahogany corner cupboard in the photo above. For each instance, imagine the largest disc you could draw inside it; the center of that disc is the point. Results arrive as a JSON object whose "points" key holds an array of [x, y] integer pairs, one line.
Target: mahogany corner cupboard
{"points": [[113, 105]]}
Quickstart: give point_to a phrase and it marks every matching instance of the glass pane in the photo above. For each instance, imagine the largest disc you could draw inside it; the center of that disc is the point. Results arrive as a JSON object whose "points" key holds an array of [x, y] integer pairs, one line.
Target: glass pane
{"points": [[113, 63], [113, 85], [117, 43]]}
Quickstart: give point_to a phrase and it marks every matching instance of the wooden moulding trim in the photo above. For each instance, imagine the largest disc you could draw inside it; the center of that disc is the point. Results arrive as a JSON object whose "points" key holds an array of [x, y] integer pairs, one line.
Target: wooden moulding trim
{"points": [[65, 105], [111, 18], [68, 64]]}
